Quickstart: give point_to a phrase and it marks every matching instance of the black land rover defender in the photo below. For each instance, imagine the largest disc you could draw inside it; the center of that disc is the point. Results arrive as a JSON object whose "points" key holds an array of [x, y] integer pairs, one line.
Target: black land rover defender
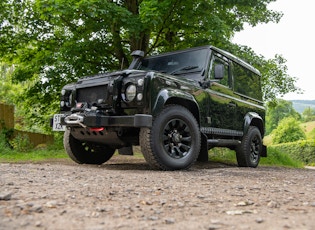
{"points": [[176, 106]]}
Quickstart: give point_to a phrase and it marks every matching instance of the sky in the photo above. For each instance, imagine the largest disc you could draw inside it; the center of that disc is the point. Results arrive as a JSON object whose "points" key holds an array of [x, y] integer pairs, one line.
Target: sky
{"points": [[293, 38]]}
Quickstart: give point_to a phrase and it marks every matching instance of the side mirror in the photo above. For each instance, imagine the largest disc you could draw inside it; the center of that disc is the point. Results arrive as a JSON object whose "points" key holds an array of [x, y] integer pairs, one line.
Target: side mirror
{"points": [[219, 71]]}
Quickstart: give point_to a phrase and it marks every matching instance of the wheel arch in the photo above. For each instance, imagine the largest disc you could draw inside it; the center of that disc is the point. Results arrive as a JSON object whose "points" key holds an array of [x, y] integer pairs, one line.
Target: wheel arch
{"points": [[254, 119], [167, 97]]}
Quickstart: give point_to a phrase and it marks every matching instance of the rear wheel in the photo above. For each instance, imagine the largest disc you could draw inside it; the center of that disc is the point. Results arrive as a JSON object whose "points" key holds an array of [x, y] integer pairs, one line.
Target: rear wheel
{"points": [[85, 152], [249, 151], [173, 142]]}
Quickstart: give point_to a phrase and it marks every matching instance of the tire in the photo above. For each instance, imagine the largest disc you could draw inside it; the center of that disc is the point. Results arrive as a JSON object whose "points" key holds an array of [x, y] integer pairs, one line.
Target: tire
{"points": [[249, 151], [84, 152], [174, 140]]}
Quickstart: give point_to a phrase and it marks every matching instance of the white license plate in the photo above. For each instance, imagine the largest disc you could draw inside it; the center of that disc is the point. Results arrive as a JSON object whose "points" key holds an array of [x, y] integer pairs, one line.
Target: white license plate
{"points": [[57, 123]]}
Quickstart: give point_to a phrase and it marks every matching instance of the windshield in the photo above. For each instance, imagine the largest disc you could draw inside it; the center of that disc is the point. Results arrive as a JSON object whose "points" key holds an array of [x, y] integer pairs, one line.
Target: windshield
{"points": [[191, 63]]}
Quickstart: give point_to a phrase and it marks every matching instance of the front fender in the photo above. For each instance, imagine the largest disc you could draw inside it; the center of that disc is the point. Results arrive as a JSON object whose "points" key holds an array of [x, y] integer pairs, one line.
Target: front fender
{"points": [[166, 95], [254, 119]]}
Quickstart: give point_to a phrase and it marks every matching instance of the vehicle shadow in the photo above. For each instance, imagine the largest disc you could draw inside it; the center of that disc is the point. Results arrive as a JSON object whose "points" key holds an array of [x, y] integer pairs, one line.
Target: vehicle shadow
{"points": [[120, 162]]}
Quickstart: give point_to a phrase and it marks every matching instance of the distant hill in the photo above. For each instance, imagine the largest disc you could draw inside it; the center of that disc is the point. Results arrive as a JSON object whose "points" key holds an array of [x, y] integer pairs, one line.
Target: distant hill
{"points": [[301, 105]]}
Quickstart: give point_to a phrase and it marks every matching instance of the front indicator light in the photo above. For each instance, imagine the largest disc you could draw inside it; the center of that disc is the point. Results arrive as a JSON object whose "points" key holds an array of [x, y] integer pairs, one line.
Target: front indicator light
{"points": [[139, 96]]}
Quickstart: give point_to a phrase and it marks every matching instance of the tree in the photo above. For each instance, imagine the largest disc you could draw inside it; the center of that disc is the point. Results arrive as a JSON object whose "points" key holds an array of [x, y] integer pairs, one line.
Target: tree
{"points": [[308, 114], [275, 80], [54, 42], [288, 130], [278, 111], [7, 89]]}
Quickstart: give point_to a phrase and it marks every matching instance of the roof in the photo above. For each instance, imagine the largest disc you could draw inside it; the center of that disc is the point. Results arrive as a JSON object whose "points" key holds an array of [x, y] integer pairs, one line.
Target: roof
{"points": [[235, 59]]}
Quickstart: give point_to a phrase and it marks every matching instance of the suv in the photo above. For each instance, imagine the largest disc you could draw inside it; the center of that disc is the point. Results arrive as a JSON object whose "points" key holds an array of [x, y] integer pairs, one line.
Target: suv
{"points": [[176, 106]]}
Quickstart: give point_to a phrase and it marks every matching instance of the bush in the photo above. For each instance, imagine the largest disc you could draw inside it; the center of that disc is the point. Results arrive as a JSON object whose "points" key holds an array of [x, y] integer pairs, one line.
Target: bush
{"points": [[6, 135], [276, 157], [288, 130], [303, 151], [4, 147], [21, 143]]}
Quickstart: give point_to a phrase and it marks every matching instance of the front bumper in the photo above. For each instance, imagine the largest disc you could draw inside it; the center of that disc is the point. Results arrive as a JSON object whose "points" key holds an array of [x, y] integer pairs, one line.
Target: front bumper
{"points": [[96, 120]]}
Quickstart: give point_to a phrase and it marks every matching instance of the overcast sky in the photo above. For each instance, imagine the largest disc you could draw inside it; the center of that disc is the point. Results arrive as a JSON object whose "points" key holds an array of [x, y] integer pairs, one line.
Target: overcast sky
{"points": [[293, 37]]}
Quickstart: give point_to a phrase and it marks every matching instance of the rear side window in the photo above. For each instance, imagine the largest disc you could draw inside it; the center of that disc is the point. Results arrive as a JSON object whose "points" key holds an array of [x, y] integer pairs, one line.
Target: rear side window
{"points": [[246, 82]]}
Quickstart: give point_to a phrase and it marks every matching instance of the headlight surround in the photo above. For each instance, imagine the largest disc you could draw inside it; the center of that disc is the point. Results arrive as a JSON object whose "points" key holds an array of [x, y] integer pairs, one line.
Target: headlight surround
{"points": [[66, 99], [131, 92]]}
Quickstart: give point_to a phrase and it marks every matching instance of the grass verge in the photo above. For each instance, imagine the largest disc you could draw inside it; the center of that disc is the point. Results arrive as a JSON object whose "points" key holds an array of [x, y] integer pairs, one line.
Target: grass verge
{"points": [[11, 156], [274, 158], [220, 155]]}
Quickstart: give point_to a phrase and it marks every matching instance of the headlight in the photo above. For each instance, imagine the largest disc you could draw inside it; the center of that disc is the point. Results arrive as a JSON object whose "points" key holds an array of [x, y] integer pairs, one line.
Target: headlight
{"points": [[131, 92]]}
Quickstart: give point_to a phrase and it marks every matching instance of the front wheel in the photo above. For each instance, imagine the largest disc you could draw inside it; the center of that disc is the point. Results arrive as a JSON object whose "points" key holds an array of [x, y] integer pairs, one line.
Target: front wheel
{"points": [[84, 152], [249, 152], [174, 140]]}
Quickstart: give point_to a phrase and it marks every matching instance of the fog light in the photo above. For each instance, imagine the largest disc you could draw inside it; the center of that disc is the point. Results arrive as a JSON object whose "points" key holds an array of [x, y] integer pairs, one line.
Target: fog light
{"points": [[62, 103]]}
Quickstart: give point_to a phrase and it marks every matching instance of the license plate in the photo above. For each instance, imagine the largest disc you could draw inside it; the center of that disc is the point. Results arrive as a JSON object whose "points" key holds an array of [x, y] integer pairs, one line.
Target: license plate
{"points": [[57, 123]]}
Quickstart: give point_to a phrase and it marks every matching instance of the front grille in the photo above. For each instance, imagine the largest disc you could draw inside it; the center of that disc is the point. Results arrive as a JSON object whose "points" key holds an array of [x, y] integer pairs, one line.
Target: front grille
{"points": [[92, 94]]}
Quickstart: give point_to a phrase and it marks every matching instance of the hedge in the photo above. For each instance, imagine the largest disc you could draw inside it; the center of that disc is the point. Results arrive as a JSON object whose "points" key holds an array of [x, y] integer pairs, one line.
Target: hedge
{"points": [[303, 151]]}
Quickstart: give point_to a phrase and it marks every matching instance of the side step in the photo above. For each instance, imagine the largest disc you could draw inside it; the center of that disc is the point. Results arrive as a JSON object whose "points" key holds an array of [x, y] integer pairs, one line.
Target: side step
{"points": [[222, 142]]}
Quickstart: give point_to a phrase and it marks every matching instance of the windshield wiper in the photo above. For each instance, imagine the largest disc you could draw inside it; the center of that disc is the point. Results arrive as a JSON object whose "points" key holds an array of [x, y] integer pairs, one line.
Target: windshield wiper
{"points": [[184, 69]]}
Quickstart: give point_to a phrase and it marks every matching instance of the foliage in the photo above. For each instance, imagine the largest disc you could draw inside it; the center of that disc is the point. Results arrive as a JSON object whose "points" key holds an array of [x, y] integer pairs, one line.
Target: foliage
{"points": [[275, 80], [277, 157], [278, 110], [311, 135], [21, 143], [303, 151], [53, 42], [9, 92], [5, 135], [308, 114], [4, 147], [288, 130]]}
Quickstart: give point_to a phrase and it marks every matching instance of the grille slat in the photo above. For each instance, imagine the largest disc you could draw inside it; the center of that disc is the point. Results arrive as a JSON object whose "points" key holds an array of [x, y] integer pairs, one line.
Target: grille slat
{"points": [[92, 94]]}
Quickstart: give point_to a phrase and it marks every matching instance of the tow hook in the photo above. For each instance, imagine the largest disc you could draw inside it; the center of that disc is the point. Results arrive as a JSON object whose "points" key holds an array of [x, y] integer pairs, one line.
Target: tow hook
{"points": [[75, 119]]}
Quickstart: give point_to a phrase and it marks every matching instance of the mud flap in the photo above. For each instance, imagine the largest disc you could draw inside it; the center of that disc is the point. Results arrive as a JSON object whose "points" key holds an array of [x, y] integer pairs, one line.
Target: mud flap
{"points": [[203, 154], [126, 151], [264, 151]]}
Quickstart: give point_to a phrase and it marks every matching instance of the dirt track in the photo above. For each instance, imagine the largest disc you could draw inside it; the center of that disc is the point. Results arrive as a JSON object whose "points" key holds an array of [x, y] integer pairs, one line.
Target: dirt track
{"points": [[125, 194]]}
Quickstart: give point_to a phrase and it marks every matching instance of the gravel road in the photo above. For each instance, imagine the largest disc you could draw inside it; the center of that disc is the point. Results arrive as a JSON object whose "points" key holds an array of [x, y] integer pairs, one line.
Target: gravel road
{"points": [[125, 194]]}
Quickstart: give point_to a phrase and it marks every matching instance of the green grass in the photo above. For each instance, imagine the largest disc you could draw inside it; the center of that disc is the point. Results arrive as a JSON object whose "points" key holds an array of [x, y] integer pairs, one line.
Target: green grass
{"points": [[220, 155], [274, 158], [278, 158], [31, 156]]}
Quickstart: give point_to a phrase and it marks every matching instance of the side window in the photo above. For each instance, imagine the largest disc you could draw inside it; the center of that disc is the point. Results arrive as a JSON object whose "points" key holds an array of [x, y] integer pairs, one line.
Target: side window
{"points": [[215, 61], [246, 82]]}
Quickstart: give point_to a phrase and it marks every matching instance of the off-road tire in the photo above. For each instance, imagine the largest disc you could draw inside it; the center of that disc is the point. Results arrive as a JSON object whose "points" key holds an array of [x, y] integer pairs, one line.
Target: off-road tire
{"points": [[173, 142], [249, 151], [84, 152]]}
